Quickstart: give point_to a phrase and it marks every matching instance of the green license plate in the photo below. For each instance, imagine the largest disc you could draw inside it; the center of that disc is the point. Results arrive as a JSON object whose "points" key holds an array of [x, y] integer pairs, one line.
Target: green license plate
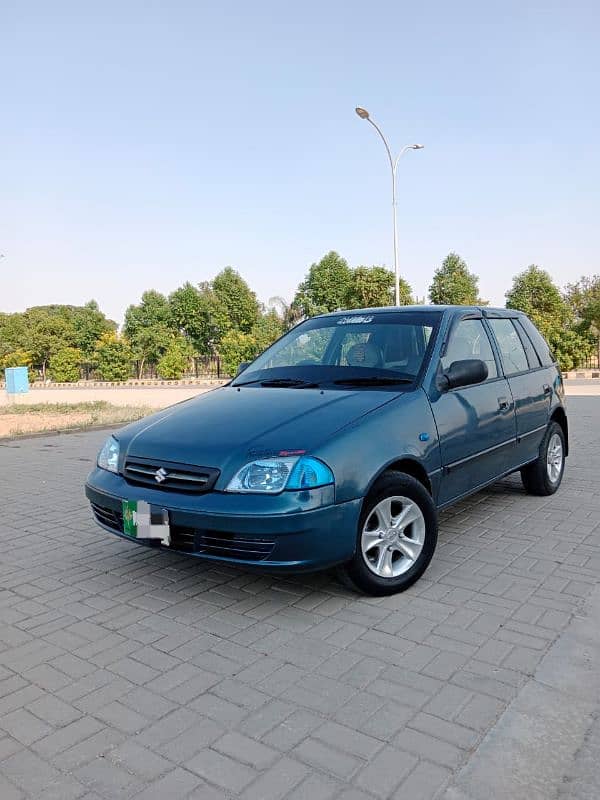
{"points": [[130, 517], [143, 521]]}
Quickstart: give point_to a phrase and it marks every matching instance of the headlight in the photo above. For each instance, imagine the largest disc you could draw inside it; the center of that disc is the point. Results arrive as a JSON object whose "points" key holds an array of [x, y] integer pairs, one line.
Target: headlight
{"points": [[272, 475], [108, 457]]}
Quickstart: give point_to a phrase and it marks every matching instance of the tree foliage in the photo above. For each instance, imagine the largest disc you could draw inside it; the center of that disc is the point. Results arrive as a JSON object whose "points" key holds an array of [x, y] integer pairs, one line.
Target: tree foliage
{"points": [[370, 287], [453, 284], [198, 315], [43, 331], [65, 365], [326, 286], [149, 328], [235, 300], [534, 292], [113, 357], [222, 317], [175, 360], [583, 298]]}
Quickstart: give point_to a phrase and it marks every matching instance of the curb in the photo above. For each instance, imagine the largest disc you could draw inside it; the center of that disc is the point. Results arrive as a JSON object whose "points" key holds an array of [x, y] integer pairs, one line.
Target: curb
{"points": [[581, 374]]}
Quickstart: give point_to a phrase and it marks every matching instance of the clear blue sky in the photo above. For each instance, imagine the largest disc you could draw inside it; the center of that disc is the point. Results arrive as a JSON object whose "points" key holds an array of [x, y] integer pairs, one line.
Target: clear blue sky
{"points": [[143, 144]]}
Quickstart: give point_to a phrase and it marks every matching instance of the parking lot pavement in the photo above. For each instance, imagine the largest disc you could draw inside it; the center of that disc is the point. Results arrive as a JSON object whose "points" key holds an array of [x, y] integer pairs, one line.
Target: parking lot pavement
{"points": [[130, 673]]}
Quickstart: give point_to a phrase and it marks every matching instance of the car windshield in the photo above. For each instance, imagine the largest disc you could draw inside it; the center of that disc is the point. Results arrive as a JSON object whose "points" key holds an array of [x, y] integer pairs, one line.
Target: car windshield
{"points": [[384, 349]]}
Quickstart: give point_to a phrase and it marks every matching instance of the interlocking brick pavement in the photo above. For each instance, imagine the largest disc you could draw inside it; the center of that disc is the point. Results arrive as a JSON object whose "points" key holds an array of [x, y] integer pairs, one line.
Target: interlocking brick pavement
{"points": [[127, 673]]}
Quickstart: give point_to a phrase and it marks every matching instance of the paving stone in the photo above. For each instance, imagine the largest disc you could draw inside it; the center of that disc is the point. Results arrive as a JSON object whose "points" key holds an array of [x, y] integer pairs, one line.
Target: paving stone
{"points": [[221, 770], [277, 781], [429, 747], [245, 750], [24, 726], [348, 740], [140, 761], [121, 666], [326, 758], [175, 785], [65, 737], [107, 779], [384, 772], [423, 783]]}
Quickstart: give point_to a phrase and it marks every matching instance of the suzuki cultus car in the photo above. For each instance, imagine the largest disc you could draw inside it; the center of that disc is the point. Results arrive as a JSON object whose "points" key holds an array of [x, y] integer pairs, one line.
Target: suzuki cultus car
{"points": [[340, 444]]}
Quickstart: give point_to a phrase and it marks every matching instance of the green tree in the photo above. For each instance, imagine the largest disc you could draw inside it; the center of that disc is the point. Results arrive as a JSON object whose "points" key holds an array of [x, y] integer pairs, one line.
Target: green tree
{"points": [[47, 330], [149, 328], [236, 347], [174, 363], [534, 292], [18, 358], [89, 323], [371, 287], [326, 286], [113, 357], [583, 298], [65, 365], [197, 314], [570, 347], [290, 314], [12, 334], [238, 302], [453, 284], [266, 330]]}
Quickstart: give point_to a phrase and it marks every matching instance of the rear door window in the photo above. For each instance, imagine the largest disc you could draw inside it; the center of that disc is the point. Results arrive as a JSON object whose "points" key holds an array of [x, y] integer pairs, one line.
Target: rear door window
{"points": [[512, 352]]}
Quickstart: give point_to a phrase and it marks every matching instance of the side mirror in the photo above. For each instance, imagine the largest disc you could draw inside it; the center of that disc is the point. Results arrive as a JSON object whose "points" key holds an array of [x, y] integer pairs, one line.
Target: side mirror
{"points": [[242, 367], [463, 373]]}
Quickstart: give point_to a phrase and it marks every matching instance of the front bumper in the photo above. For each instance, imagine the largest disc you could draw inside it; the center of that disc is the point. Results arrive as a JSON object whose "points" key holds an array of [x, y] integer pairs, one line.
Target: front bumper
{"points": [[292, 531]]}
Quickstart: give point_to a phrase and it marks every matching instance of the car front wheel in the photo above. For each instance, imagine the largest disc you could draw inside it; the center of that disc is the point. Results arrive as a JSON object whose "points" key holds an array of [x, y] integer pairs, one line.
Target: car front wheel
{"points": [[397, 536]]}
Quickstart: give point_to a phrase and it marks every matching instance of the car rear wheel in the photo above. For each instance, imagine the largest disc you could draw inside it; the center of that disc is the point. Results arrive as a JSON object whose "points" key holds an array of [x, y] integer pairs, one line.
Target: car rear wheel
{"points": [[544, 475], [397, 536]]}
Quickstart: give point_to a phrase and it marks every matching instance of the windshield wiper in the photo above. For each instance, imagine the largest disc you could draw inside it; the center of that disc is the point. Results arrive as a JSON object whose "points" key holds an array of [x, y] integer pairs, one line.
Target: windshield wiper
{"points": [[373, 380], [290, 383]]}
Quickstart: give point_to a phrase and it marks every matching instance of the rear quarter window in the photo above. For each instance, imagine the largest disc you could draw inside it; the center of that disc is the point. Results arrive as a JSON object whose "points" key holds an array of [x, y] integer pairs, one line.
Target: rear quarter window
{"points": [[541, 345]]}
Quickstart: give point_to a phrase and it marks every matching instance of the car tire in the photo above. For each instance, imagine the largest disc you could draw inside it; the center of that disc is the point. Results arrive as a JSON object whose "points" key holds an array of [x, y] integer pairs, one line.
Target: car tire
{"points": [[544, 475], [396, 537]]}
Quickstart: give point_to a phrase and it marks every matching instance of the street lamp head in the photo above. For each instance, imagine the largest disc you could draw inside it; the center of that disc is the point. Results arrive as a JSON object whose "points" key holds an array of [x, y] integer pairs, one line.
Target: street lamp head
{"points": [[362, 112], [417, 146]]}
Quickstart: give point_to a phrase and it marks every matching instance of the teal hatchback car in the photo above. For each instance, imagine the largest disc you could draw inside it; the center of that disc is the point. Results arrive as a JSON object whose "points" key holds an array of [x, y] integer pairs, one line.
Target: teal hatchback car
{"points": [[340, 444]]}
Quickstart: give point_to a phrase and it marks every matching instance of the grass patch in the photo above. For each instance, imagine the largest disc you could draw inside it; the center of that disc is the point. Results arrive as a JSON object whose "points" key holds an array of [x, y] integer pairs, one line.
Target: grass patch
{"points": [[20, 419], [91, 407]]}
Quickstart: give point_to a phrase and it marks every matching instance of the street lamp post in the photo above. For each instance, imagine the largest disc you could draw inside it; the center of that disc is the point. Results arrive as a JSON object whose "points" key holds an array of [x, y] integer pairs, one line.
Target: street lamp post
{"points": [[364, 114]]}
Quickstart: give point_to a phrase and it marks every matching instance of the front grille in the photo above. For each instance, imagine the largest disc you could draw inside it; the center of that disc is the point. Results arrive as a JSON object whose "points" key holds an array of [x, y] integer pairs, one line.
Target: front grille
{"points": [[197, 540], [107, 516], [230, 545], [171, 476]]}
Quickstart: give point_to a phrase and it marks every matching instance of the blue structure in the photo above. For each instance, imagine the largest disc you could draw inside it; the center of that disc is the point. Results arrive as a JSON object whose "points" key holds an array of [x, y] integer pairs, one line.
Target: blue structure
{"points": [[17, 380]]}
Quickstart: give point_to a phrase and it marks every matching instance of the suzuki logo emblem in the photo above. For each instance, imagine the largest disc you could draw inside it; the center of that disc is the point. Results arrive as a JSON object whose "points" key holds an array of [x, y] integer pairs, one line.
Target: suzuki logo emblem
{"points": [[161, 475]]}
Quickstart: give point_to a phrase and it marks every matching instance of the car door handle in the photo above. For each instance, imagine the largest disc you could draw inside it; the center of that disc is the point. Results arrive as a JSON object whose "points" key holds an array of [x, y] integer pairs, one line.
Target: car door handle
{"points": [[503, 403], [547, 389]]}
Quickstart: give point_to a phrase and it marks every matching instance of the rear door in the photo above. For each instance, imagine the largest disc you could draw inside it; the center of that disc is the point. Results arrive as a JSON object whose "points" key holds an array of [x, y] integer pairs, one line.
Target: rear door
{"points": [[529, 383], [476, 424]]}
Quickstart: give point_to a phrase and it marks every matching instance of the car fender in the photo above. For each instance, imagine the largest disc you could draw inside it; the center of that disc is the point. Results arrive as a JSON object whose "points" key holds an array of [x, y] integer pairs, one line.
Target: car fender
{"points": [[402, 430]]}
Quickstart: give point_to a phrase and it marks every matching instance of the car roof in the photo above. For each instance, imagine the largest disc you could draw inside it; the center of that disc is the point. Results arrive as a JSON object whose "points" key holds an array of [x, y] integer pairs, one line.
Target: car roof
{"points": [[479, 311]]}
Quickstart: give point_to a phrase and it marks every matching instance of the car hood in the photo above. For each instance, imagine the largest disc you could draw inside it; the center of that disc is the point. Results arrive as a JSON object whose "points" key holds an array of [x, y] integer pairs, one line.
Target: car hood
{"points": [[228, 426]]}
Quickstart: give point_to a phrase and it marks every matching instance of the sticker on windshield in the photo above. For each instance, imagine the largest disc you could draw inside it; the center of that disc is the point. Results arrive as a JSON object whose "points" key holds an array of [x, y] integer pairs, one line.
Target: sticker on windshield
{"points": [[355, 319]]}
